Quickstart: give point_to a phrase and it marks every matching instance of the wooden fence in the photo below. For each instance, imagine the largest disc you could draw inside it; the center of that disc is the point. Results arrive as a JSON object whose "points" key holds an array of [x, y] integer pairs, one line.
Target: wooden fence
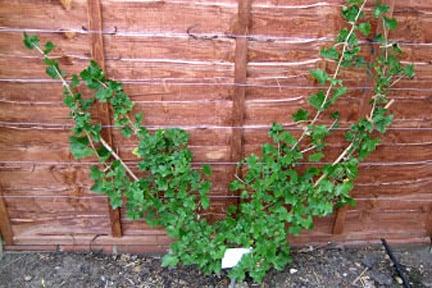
{"points": [[222, 69]]}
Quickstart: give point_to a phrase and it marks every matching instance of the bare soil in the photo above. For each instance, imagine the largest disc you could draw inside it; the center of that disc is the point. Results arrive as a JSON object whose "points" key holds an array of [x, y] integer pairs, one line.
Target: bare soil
{"points": [[330, 266]]}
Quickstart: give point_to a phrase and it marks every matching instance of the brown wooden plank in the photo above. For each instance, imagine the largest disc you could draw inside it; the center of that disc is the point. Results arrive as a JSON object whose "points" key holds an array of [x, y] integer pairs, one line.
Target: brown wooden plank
{"points": [[37, 225], [11, 44], [32, 67], [162, 17], [43, 14], [98, 54], [324, 20], [192, 49], [180, 71], [276, 52]]}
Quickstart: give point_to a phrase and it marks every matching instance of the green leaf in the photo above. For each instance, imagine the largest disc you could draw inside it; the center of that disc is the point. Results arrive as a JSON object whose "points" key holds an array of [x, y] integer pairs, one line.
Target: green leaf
{"points": [[97, 187], [320, 75], [408, 70], [316, 100], [74, 81], [236, 185], [381, 120], [206, 169], [49, 46], [205, 203], [95, 173], [335, 115], [365, 28], [300, 115], [344, 188], [390, 23], [51, 71], [205, 188], [69, 101], [139, 117], [104, 94], [380, 9], [80, 147], [169, 261], [315, 157], [340, 91], [126, 131], [350, 13], [330, 53], [30, 41], [116, 201]]}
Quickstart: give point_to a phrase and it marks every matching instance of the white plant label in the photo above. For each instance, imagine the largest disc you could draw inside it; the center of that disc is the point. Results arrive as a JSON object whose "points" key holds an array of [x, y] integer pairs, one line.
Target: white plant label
{"points": [[233, 256]]}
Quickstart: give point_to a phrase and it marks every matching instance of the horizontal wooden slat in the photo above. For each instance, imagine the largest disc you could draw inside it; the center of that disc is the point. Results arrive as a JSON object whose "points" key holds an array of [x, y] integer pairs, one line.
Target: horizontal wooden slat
{"points": [[77, 45], [19, 178], [51, 93], [283, 51], [36, 225], [166, 16], [408, 113], [18, 208], [169, 49], [206, 145], [142, 70], [324, 20], [32, 67], [43, 14]]}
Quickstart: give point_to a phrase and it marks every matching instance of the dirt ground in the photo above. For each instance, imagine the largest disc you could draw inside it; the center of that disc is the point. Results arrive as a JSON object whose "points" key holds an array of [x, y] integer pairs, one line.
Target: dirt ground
{"points": [[328, 266]]}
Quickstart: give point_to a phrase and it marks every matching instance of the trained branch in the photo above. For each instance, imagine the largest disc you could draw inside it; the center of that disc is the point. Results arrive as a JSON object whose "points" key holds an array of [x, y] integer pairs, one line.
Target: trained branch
{"points": [[335, 74], [104, 143]]}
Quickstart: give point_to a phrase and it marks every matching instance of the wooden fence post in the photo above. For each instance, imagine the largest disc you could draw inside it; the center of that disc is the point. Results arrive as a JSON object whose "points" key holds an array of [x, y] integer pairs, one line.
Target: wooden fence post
{"points": [[5, 225], [98, 54], [240, 77]]}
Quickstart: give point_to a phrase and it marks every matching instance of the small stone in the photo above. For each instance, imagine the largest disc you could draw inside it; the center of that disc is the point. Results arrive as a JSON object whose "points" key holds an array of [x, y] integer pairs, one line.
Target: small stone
{"points": [[293, 271], [399, 280], [28, 278]]}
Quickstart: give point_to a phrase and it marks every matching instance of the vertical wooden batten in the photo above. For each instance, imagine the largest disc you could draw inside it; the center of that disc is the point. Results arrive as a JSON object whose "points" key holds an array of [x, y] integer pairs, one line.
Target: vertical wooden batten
{"points": [[339, 221], [98, 54], [5, 225], [241, 29]]}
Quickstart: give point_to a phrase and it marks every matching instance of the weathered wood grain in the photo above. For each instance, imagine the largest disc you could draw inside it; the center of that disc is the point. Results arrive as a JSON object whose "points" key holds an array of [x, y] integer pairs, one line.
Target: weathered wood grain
{"points": [[167, 17], [78, 45], [43, 14], [169, 49]]}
